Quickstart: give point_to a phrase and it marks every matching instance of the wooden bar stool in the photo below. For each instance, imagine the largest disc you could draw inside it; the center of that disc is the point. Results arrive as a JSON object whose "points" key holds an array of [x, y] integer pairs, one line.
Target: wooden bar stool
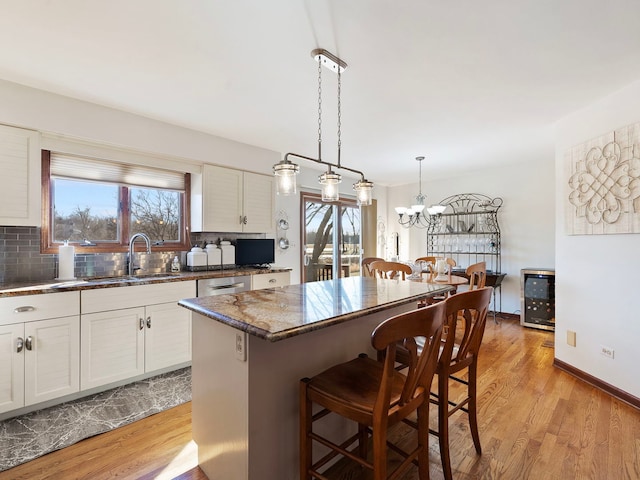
{"points": [[376, 396], [466, 316]]}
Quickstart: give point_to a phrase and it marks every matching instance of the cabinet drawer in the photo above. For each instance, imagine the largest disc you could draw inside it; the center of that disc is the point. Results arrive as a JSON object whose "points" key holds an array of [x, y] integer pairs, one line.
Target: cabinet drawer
{"points": [[268, 280], [27, 308], [105, 299]]}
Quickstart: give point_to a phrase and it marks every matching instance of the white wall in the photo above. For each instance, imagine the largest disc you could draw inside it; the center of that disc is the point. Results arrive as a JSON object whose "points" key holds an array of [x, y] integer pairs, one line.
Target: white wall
{"points": [[35, 109], [597, 274], [526, 218]]}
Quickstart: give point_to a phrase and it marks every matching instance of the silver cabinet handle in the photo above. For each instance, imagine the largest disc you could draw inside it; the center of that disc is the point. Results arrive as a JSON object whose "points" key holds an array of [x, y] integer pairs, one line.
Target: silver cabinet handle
{"points": [[19, 344], [141, 323], [244, 220], [149, 322], [29, 343], [223, 287], [273, 280], [27, 308]]}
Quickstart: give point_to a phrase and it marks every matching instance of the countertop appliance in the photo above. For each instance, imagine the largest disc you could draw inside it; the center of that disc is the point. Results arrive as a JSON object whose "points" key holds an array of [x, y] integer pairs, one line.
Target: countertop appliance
{"points": [[223, 285]]}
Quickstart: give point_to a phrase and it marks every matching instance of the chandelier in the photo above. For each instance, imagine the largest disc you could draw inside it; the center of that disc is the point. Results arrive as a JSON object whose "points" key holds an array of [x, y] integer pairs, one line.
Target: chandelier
{"points": [[412, 216], [285, 171]]}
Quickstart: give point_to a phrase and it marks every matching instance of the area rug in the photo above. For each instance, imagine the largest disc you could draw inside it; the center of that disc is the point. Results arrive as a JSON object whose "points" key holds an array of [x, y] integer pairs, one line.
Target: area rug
{"points": [[37, 433]]}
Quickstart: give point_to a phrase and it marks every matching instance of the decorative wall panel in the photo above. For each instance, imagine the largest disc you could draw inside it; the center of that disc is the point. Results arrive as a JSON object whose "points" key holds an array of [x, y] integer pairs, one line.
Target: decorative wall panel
{"points": [[603, 184]]}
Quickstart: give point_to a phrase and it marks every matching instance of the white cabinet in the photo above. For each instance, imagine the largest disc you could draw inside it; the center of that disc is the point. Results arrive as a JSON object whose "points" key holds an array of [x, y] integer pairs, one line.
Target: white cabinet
{"points": [[112, 346], [20, 167], [39, 357], [128, 331], [228, 200], [269, 280], [11, 367]]}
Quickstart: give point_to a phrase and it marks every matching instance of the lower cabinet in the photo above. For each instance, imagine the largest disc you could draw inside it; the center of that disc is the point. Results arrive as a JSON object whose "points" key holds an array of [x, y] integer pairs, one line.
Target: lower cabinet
{"points": [[270, 280], [112, 346], [127, 342], [39, 359]]}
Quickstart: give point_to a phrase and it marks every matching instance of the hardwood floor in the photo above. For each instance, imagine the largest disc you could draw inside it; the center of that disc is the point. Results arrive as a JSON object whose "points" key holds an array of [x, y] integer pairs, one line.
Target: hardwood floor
{"points": [[156, 447], [536, 422]]}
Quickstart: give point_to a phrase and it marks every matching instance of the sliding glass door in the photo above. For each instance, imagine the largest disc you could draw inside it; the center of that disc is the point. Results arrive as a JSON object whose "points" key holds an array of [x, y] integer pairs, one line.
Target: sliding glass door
{"points": [[331, 238]]}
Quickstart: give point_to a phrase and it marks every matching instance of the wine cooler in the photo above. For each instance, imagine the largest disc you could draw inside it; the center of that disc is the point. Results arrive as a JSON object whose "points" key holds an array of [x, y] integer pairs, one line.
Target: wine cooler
{"points": [[538, 298]]}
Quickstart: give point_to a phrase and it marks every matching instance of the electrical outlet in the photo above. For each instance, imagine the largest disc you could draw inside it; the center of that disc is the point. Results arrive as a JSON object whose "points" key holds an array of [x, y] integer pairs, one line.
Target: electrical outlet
{"points": [[241, 346], [606, 351], [571, 338]]}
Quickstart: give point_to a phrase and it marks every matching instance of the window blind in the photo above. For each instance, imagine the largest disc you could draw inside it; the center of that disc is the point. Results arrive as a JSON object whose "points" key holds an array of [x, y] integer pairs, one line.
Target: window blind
{"points": [[81, 168]]}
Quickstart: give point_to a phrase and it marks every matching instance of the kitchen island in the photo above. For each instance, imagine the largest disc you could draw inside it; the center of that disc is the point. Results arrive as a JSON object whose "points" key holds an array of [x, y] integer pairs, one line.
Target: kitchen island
{"points": [[251, 349]]}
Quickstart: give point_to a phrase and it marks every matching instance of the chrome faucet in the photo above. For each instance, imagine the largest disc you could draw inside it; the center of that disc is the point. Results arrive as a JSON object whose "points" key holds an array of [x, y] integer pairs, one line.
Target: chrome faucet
{"points": [[147, 241]]}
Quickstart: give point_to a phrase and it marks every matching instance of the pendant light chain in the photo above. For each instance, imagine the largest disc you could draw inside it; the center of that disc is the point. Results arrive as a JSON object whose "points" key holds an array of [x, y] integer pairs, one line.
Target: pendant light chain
{"points": [[339, 116], [319, 110]]}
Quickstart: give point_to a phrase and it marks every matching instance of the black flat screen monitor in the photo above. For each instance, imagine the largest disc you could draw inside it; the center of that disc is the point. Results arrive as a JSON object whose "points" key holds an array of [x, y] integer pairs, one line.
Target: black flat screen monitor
{"points": [[255, 251]]}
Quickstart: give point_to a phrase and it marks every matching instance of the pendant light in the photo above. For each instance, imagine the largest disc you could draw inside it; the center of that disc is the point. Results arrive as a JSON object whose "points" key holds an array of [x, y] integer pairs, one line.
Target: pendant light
{"points": [[413, 216], [285, 171]]}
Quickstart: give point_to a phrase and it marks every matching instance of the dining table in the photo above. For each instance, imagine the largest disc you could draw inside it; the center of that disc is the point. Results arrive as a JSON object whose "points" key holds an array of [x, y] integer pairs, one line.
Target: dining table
{"points": [[452, 280]]}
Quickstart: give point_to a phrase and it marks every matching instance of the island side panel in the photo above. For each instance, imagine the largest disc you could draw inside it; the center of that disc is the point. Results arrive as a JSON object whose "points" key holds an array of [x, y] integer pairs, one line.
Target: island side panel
{"points": [[220, 396], [275, 370]]}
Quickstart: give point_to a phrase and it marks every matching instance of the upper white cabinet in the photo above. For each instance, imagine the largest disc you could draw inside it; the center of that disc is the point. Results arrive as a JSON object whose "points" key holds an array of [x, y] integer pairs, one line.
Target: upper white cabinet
{"points": [[228, 200], [20, 165]]}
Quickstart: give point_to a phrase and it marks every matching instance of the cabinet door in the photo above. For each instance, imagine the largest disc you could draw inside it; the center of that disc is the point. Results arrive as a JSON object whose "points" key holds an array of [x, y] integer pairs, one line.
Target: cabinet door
{"points": [[51, 358], [258, 203], [20, 167], [11, 368], [221, 200], [111, 346], [167, 336]]}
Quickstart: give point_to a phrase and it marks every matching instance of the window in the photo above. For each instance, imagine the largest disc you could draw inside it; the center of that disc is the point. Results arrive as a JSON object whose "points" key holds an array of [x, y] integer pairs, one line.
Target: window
{"points": [[325, 245], [97, 205]]}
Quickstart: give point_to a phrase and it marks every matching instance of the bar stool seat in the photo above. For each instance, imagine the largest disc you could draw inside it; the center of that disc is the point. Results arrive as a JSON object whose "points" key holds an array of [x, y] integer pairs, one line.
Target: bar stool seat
{"points": [[375, 395]]}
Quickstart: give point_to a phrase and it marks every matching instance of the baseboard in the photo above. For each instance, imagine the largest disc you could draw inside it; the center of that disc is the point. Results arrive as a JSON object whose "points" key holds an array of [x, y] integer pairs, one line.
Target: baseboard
{"points": [[599, 384]]}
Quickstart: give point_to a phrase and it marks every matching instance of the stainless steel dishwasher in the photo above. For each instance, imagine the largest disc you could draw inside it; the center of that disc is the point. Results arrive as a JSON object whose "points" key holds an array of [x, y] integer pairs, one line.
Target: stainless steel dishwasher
{"points": [[224, 285]]}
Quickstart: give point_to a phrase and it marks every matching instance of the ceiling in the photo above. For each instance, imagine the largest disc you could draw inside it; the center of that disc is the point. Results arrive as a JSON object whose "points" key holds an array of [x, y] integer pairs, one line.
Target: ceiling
{"points": [[464, 83]]}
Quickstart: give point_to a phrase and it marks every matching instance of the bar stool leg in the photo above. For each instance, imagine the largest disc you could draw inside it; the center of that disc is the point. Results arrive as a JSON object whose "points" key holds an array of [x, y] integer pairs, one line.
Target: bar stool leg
{"points": [[305, 429]]}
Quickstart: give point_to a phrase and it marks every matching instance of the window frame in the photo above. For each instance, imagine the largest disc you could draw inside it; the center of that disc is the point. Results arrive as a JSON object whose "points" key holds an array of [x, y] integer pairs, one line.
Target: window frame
{"points": [[122, 244]]}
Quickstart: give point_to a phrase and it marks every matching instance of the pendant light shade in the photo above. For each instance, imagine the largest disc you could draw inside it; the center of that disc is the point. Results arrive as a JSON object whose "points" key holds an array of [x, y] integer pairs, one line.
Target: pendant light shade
{"points": [[364, 192], [286, 172], [329, 182]]}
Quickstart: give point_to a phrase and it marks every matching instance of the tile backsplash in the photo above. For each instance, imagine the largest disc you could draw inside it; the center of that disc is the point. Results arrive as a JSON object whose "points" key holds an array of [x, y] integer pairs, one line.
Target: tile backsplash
{"points": [[21, 260]]}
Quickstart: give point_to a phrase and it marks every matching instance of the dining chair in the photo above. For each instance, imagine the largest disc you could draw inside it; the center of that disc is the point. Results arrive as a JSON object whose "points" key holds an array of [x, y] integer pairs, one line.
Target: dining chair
{"points": [[477, 274], [385, 269], [375, 395], [366, 265], [465, 320]]}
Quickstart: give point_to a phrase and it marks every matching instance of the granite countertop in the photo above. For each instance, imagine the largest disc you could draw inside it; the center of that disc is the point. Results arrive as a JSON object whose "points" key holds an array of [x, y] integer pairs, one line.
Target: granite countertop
{"points": [[51, 286], [278, 313]]}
